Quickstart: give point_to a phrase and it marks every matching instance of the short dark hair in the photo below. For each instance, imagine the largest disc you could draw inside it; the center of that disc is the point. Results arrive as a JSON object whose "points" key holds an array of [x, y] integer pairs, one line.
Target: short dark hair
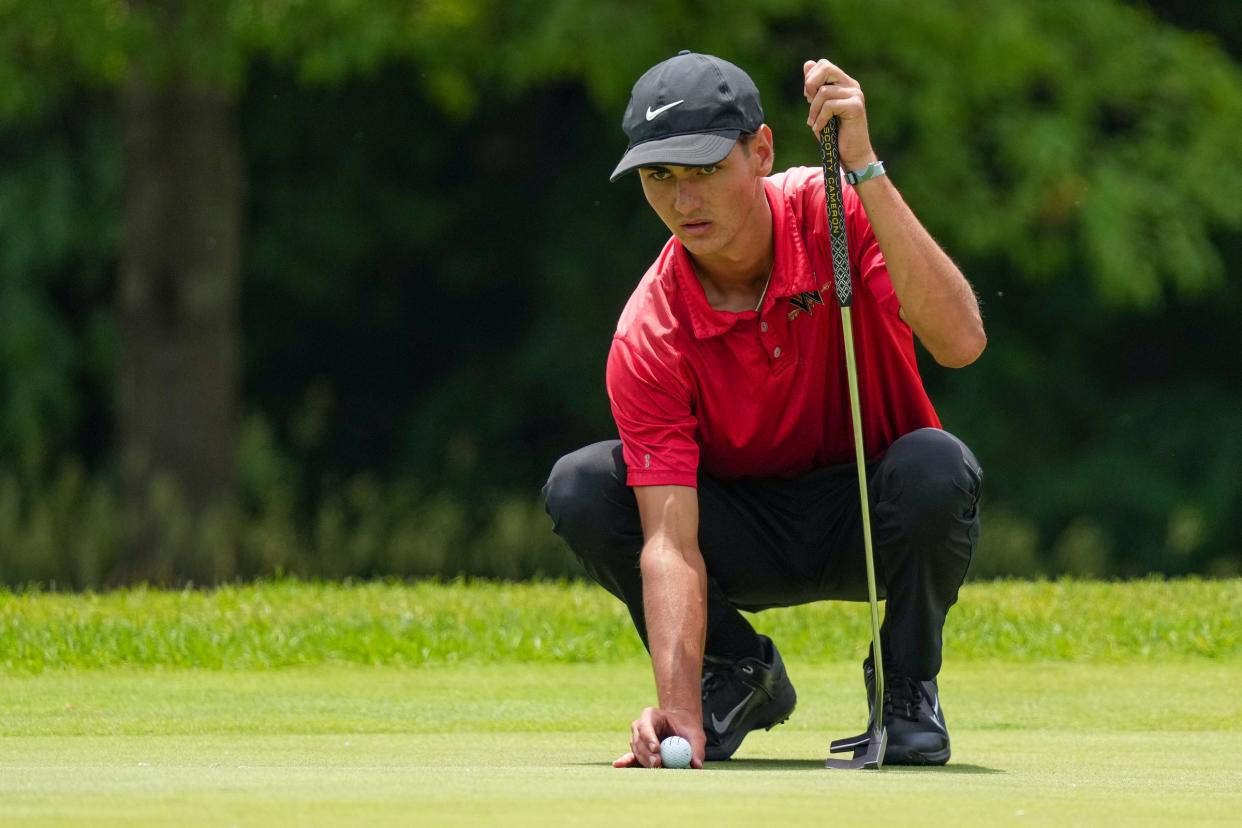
{"points": [[744, 139]]}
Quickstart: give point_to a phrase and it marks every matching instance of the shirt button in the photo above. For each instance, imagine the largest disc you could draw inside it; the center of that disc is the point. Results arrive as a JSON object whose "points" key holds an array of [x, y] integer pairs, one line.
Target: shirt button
{"points": [[777, 352], [763, 326]]}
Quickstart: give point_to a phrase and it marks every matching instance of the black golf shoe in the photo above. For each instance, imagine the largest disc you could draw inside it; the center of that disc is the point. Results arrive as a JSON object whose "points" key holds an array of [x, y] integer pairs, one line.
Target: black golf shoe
{"points": [[744, 695], [917, 734]]}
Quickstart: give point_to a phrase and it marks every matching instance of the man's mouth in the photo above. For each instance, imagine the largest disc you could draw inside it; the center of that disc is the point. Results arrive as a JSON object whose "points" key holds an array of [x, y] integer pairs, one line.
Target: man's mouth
{"points": [[696, 228]]}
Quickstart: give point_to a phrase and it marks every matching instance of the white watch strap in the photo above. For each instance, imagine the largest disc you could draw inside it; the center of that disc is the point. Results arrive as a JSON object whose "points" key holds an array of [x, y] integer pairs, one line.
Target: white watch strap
{"points": [[873, 170]]}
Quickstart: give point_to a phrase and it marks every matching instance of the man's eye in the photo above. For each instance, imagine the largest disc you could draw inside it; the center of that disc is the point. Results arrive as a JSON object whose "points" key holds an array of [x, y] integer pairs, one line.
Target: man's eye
{"points": [[660, 175], [710, 169]]}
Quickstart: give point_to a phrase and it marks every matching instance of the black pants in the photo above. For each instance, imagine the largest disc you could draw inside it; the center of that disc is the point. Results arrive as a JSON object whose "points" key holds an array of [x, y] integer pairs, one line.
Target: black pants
{"points": [[776, 543]]}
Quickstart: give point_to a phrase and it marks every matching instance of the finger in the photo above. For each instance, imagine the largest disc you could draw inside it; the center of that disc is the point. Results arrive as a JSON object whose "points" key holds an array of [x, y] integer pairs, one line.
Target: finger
{"points": [[818, 74], [648, 727], [822, 109], [648, 746], [827, 98], [836, 97], [824, 73], [814, 75], [627, 760], [847, 106], [698, 749], [835, 74], [835, 93]]}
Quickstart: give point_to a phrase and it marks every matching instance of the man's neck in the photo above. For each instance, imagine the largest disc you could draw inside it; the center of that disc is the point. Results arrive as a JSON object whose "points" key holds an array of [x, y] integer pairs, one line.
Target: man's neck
{"points": [[735, 279]]}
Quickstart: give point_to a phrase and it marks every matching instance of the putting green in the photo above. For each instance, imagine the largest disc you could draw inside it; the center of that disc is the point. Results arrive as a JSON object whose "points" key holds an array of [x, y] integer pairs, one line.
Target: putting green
{"points": [[510, 744]]}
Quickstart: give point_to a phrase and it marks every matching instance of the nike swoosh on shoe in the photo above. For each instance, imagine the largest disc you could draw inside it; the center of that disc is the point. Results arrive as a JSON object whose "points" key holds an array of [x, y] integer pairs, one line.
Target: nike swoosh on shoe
{"points": [[722, 725], [937, 717]]}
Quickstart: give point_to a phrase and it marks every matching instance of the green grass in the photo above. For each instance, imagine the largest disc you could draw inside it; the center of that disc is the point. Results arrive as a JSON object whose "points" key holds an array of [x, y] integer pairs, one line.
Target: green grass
{"points": [[483, 704], [520, 744], [290, 623]]}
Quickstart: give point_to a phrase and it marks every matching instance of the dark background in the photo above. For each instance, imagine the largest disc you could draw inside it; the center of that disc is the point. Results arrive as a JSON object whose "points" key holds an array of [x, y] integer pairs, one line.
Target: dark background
{"points": [[430, 262]]}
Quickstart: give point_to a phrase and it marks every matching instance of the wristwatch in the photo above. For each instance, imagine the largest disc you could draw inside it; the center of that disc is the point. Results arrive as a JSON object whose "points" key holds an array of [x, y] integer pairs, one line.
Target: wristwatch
{"points": [[873, 170]]}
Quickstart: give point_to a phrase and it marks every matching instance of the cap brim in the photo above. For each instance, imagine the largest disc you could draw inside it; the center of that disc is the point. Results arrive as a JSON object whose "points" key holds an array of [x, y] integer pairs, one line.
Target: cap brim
{"points": [[695, 150]]}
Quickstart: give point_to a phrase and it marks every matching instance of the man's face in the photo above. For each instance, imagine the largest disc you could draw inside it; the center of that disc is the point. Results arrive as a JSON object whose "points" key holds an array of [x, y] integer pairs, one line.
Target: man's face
{"points": [[707, 207]]}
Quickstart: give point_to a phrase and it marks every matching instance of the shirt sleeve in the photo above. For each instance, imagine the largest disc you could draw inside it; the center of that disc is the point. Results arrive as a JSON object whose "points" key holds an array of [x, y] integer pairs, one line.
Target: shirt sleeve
{"points": [[651, 404]]}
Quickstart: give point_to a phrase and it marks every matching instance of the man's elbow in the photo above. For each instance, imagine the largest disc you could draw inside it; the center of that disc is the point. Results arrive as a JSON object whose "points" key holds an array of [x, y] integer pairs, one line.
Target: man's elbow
{"points": [[964, 350], [660, 554]]}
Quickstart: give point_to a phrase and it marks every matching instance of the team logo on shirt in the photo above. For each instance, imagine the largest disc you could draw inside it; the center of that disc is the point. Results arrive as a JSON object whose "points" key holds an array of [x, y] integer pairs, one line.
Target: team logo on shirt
{"points": [[805, 301]]}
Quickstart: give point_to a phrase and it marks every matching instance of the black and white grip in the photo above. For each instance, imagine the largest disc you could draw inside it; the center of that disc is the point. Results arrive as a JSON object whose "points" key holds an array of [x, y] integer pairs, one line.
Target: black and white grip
{"points": [[834, 200]]}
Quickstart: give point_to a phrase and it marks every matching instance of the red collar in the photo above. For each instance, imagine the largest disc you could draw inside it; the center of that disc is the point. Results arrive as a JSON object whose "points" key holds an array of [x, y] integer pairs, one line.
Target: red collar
{"points": [[791, 269]]}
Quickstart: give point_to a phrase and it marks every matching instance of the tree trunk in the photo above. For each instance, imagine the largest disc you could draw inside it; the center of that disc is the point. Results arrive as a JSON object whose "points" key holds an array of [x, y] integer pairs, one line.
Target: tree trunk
{"points": [[178, 303]]}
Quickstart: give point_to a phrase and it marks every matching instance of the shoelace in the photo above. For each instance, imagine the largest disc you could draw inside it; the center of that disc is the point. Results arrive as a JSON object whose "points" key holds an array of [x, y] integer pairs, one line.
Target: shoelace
{"points": [[712, 681], [716, 678], [902, 697]]}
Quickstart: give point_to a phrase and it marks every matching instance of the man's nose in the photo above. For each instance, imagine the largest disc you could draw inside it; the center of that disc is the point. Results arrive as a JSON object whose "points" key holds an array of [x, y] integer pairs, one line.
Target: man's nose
{"points": [[687, 200]]}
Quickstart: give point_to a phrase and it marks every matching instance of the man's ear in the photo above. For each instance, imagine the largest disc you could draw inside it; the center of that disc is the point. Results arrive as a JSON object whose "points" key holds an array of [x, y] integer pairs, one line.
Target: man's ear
{"points": [[762, 149]]}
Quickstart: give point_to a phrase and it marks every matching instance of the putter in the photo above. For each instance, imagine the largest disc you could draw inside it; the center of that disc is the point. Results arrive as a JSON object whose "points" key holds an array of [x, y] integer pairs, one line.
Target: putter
{"points": [[868, 747]]}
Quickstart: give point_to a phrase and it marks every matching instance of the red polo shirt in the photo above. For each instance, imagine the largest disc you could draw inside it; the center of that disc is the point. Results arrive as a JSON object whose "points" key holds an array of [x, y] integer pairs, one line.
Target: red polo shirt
{"points": [[764, 394]]}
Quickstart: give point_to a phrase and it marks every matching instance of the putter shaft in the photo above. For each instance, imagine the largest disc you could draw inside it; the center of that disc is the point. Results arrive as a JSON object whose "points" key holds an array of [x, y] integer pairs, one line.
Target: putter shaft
{"points": [[868, 748], [851, 370]]}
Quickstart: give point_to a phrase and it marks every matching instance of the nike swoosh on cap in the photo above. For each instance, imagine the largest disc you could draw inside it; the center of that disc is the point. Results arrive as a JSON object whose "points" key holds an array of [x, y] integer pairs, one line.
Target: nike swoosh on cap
{"points": [[722, 725], [652, 114]]}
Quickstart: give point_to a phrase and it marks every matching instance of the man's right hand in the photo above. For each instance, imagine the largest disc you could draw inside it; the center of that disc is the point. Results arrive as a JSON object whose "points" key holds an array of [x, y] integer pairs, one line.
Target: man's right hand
{"points": [[649, 729]]}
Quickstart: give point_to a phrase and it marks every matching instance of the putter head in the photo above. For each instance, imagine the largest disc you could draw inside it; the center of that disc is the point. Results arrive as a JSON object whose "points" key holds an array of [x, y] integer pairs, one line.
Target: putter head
{"points": [[868, 750]]}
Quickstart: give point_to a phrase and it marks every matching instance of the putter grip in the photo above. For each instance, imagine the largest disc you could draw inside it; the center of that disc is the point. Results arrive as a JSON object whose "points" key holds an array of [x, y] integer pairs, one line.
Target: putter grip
{"points": [[834, 200]]}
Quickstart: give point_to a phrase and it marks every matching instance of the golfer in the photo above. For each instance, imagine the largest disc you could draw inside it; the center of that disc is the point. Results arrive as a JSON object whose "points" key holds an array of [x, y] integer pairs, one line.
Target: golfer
{"points": [[733, 486]]}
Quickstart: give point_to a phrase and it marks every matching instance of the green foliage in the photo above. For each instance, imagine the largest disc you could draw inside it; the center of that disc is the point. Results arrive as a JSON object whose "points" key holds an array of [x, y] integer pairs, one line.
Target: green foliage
{"points": [[65, 532], [51, 49], [435, 261], [286, 623], [57, 193], [1068, 140]]}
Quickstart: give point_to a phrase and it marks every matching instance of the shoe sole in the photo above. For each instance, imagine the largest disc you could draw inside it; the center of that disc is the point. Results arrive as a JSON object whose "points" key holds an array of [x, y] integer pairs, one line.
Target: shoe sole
{"points": [[914, 757], [721, 754]]}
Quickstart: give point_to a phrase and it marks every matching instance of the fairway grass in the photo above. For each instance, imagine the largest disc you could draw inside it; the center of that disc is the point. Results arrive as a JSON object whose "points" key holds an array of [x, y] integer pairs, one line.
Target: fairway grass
{"points": [[292, 623], [1034, 744]]}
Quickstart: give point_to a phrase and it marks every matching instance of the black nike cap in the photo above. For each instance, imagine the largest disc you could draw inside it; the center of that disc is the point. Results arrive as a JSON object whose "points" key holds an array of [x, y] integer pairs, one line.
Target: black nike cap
{"points": [[689, 111]]}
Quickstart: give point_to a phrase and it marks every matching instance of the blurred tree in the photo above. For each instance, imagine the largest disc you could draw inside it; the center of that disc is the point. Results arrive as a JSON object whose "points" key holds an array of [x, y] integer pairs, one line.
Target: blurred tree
{"points": [[177, 302]]}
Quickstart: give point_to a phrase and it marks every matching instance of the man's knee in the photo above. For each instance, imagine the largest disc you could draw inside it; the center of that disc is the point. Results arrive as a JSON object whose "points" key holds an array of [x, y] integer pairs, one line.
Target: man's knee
{"points": [[586, 494], [932, 482]]}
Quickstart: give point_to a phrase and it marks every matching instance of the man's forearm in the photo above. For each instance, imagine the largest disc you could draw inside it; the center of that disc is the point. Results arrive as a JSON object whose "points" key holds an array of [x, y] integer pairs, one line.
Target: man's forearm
{"points": [[936, 300], [675, 605]]}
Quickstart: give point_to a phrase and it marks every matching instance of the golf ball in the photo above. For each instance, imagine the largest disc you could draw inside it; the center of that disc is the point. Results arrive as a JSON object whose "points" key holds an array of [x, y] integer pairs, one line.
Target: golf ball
{"points": [[675, 752]]}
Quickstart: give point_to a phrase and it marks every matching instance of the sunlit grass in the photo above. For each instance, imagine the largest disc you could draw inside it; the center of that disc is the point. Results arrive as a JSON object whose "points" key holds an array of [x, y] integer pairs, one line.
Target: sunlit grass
{"points": [[289, 623]]}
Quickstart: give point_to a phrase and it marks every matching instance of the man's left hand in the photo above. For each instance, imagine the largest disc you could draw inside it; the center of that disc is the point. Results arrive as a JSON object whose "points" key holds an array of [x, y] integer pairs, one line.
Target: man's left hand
{"points": [[831, 92]]}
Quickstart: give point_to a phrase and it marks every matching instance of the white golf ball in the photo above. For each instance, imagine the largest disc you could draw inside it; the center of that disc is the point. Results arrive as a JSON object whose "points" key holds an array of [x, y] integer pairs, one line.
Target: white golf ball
{"points": [[675, 752]]}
